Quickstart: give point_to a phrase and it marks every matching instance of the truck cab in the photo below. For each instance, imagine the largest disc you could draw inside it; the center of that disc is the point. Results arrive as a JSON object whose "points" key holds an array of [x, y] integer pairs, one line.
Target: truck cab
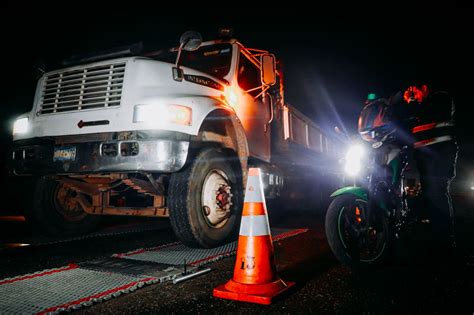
{"points": [[161, 134]]}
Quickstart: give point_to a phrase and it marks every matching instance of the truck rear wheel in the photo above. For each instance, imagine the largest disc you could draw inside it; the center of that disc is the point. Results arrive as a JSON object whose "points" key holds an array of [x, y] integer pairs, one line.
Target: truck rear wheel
{"points": [[56, 211], [205, 200]]}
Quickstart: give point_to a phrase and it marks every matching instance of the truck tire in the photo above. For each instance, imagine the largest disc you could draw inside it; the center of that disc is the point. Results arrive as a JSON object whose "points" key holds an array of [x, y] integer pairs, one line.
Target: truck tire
{"points": [[205, 200], [55, 212]]}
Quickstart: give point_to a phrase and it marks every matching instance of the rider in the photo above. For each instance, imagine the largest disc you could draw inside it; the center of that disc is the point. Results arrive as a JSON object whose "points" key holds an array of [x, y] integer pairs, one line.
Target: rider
{"points": [[430, 131]]}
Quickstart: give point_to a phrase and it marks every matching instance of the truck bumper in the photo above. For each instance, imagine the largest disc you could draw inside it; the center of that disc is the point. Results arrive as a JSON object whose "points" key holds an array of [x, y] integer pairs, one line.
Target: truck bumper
{"points": [[43, 156]]}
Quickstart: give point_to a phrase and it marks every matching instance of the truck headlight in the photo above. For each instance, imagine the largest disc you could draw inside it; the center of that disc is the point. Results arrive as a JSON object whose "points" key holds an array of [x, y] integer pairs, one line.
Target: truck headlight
{"points": [[172, 113], [20, 126], [354, 159]]}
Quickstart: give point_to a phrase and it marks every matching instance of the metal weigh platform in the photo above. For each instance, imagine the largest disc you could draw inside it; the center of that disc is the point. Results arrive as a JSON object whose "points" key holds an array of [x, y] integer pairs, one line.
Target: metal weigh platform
{"points": [[75, 286], [38, 240]]}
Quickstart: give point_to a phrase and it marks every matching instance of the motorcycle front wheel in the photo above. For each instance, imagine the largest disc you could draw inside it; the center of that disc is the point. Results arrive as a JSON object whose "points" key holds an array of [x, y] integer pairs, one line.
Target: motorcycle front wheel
{"points": [[355, 240]]}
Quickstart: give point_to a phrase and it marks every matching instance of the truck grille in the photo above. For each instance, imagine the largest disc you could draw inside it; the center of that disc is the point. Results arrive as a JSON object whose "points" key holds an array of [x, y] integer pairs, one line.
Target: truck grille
{"points": [[81, 89]]}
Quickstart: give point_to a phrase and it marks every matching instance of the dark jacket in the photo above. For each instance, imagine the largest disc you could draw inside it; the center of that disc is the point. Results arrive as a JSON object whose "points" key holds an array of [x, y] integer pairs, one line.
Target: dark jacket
{"points": [[425, 123]]}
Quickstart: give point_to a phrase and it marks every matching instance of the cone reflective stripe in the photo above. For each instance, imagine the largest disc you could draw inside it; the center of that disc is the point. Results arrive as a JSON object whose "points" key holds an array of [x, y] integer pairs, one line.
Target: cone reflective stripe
{"points": [[254, 215], [255, 279], [256, 225], [254, 190]]}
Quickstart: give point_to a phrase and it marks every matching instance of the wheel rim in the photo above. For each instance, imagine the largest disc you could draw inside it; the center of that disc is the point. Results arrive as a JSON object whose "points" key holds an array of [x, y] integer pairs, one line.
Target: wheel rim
{"points": [[216, 198], [365, 242], [66, 202]]}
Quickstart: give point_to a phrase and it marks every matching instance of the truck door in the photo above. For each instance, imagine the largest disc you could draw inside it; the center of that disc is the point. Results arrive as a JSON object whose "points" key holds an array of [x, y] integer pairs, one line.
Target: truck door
{"points": [[253, 112]]}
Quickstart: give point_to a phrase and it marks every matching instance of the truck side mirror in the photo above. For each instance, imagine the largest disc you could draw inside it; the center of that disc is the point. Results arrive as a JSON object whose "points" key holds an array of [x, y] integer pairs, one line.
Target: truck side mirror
{"points": [[189, 41], [268, 69]]}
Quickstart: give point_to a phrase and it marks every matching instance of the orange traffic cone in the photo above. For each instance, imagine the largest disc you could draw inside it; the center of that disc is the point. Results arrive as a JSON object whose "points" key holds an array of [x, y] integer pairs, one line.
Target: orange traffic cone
{"points": [[255, 279]]}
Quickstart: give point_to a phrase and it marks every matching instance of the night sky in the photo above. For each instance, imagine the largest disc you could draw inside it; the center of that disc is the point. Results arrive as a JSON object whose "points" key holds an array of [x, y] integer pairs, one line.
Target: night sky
{"points": [[332, 59]]}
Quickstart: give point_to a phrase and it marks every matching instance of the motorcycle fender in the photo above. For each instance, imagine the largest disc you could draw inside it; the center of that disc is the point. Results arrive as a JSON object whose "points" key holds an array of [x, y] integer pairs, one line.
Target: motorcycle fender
{"points": [[360, 193], [353, 190]]}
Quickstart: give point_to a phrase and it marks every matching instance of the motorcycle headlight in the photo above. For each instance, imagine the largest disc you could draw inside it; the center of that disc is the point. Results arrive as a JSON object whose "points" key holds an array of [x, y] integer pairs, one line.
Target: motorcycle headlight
{"points": [[353, 159], [20, 126]]}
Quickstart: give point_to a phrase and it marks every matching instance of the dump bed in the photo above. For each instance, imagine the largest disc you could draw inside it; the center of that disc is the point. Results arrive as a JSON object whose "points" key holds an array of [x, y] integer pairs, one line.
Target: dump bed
{"points": [[309, 159], [299, 141]]}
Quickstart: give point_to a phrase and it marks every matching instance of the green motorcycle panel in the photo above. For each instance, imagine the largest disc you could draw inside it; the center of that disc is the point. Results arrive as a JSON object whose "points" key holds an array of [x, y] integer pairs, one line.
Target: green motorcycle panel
{"points": [[352, 190]]}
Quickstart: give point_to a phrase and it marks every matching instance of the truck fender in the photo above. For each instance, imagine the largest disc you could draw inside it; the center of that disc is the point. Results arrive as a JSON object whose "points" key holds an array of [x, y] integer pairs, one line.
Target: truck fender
{"points": [[352, 190], [230, 135]]}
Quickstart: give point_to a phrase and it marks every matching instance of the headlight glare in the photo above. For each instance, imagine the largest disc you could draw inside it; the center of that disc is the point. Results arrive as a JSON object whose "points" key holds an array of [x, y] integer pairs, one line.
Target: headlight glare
{"points": [[20, 126], [231, 96], [158, 114], [353, 160]]}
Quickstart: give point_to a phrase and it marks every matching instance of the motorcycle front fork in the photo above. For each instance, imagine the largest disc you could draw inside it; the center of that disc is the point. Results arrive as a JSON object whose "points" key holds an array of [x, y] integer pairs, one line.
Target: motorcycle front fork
{"points": [[399, 212]]}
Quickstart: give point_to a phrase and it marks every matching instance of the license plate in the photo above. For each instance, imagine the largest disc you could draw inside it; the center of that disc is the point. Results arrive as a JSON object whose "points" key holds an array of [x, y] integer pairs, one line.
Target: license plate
{"points": [[64, 153]]}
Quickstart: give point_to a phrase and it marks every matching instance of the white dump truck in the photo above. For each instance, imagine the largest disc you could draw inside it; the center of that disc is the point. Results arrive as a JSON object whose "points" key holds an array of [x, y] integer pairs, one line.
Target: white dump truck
{"points": [[162, 134]]}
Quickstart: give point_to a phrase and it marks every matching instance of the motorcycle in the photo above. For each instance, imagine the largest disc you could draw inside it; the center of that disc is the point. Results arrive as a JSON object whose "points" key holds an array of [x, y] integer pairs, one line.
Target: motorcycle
{"points": [[366, 221]]}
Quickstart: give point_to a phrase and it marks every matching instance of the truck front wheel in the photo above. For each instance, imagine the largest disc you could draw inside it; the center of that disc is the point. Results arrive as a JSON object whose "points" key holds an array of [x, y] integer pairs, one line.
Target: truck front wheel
{"points": [[56, 211], [205, 199]]}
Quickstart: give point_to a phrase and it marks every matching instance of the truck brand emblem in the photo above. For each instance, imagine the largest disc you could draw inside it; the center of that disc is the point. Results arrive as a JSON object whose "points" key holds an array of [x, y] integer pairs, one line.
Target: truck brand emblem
{"points": [[199, 79]]}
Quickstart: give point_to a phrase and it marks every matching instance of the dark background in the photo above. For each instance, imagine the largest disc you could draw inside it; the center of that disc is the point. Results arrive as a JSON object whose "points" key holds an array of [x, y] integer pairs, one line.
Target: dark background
{"points": [[332, 56]]}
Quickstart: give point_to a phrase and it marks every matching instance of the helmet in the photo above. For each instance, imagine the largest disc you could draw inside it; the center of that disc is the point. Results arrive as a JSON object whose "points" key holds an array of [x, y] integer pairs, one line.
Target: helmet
{"points": [[375, 121]]}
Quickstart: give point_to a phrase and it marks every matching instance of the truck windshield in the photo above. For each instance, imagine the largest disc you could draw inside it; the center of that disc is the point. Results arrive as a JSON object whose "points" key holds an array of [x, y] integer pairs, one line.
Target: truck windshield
{"points": [[211, 59]]}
